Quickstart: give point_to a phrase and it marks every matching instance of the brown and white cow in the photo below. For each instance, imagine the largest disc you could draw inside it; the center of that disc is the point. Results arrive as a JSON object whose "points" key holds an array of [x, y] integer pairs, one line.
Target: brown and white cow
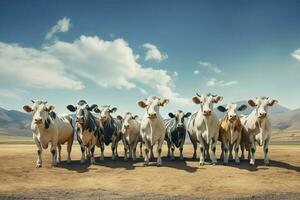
{"points": [[47, 128], [131, 134], [230, 131], [257, 128]]}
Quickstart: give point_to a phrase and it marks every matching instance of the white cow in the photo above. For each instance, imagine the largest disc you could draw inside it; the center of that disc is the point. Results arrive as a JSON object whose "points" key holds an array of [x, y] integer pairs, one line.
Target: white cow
{"points": [[47, 128], [257, 128], [203, 126], [130, 134], [153, 128]]}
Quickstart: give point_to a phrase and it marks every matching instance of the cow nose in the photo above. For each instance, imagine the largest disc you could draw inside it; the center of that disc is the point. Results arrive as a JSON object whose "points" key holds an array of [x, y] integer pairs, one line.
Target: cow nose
{"points": [[38, 120], [126, 127], [78, 119], [262, 115], [207, 112], [152, 115], [180, 125], [232, 116]]}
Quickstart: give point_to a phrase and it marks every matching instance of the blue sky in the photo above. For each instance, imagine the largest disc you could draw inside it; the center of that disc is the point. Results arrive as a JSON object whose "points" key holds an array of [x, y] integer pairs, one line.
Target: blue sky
{"points": [[117, 52]]}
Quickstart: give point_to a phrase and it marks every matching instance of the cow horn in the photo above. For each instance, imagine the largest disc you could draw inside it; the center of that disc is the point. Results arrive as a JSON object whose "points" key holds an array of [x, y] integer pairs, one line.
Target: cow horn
{"points": [[214, 95], [32, 101], [45, 102], [198, 94]]}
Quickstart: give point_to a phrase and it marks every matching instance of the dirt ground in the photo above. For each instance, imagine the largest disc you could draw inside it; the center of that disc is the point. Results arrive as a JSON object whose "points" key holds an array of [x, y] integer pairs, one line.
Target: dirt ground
{"points": [[19, 179]]}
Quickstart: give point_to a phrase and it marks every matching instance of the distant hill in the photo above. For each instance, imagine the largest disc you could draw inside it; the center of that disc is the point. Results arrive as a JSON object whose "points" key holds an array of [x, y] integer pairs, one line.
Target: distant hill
{"points": [[288, 120]]}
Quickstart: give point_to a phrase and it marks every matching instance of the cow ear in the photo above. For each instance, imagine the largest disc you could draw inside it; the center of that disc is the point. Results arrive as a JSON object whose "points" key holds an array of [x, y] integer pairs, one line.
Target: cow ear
{"points": [[272, 103], [96, 110], [49, 108], [27, 108], [217, 99], [71, 108], [164, 102], [187, 114], [114, 109], [196, 100], [251, 103], [119, 117], [142, 104], [221, 109], [242, 107], [92, 107], [171, 115]]}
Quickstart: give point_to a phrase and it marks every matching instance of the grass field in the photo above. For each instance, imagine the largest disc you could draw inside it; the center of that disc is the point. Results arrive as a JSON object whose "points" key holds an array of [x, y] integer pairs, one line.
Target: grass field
{"points": [[130, 180]]}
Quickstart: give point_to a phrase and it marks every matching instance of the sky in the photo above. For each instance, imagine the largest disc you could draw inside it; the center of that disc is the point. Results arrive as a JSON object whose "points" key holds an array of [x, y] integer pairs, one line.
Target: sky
{"points": [[119, 52]]}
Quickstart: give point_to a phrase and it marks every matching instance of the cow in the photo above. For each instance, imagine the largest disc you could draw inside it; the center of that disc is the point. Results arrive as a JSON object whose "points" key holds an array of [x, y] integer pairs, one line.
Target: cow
{"points": [[153, 128], [257, 128], [176, 132], [203, 126], [110, 126], [88, 131], [47, 128], [230, 132], [130, 135]]}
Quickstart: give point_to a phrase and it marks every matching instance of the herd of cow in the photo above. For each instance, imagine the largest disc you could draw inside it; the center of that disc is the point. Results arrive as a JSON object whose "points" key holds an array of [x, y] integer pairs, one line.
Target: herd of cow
{"points": [[203, 127]]}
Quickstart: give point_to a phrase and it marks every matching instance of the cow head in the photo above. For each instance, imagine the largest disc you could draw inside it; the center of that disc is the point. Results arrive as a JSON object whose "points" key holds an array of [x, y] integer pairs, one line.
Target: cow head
{"points": [[82, 109], [231, 110], [261, 105], [105, 112], [40, 112], [206, 101], [126, 121], [179, 117], [152, 105]]}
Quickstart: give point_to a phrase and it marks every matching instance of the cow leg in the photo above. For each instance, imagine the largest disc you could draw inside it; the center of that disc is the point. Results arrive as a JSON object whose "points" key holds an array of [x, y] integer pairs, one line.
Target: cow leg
{"points": [[159, 145], [222, 151], [147, 151], [172, 151], [69, 149], [206, 153], [202, 150], [213, 151], [113, 147], [169, 148], [252, 153], [236, 149], [82, 147], [141, 149], [266, 151], [54, 154], [92, 158], [225, 150], [39, 153], [116, 148], [58, 157], [242, 150], [134, 150], [230, 152], [181, 149], [151, 153], [125, 144], [102, 147], [195, 149]]}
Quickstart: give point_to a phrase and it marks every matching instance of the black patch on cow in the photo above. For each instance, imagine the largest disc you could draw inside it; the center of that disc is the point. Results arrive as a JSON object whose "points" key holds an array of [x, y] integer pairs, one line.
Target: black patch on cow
{"points": [[39, 152], [201, 149], [82, 149], [109, 129], [159, 151], [81, 102], [52, 115], [47, 123], [252, 150], [53, 152], [266, 150]]}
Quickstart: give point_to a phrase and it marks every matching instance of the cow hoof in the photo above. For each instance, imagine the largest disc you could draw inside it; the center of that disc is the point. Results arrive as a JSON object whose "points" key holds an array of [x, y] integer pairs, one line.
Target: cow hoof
{"points": [[38, 165], [251, 164], [82, 161], [125, 159], [201, 163], [237, 163], [267, 164], [172, 158], [214, 163], [158, 164], [146, 164], [225, 163]]}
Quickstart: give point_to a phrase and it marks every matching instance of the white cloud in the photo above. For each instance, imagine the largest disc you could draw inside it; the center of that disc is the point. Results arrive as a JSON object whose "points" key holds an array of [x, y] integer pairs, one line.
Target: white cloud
{"points": [[11, 93], [63, 25], [296, 54], [196, 72], [175, 74], [153, 53], [221, 83], [32, 67], [63, 64], [210, 66]]}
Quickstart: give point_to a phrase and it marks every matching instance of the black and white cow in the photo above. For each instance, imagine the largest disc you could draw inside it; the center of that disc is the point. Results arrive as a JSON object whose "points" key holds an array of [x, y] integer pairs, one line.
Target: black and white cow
{"points": [[88, 130], [111, 128], [175, 132], [47, 128]]}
